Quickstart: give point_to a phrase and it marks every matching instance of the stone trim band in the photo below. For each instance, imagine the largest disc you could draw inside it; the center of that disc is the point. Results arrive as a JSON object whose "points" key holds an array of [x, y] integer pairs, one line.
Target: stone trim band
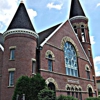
{"points": [[18, 31]]}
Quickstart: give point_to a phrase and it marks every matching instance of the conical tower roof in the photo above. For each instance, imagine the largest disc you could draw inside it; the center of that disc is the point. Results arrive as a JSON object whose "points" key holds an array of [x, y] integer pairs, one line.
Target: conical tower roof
{"points": [[21, 19], [76, 9]]}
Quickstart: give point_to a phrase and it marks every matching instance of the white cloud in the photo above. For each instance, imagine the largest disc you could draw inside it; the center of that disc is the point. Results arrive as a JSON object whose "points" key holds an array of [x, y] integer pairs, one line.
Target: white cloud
{"points": [[32, 13], [8, 9], [97, 60], [97, 64], [98, 73], [98, 5], [51, 5], [92, 39], [1, 26]]}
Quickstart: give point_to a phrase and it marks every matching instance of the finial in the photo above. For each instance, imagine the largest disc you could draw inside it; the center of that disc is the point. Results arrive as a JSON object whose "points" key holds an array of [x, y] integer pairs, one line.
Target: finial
{"points": [[22, 1]]}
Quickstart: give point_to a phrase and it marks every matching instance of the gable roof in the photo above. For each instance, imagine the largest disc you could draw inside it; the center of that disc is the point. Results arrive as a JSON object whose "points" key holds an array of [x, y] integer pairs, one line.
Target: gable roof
{"points": [[1, 47], [21, 19], [55, 31], [76, 9], [44, 34]]}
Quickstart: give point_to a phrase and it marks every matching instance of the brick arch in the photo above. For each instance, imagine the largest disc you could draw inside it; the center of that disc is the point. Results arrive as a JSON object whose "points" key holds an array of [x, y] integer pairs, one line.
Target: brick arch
{"points": [[67, 86], [49, 52], [90, 86], [68, 39], [82, 23], [80, 88], [52, 81]]}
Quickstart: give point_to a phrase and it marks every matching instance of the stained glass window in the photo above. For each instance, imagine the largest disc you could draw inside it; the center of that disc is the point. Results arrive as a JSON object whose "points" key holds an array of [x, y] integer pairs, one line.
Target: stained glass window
{"points": [[70, 60]]}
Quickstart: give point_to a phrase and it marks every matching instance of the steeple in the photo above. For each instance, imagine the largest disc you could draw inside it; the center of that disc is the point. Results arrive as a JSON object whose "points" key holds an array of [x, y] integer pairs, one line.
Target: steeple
{"points": [[76, 9], [21, 19]]}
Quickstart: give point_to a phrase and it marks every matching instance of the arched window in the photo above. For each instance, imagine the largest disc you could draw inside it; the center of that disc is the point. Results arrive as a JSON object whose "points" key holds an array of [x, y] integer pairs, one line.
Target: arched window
{"points": [[83, 33], [68, 89], [75, 29], [70, 59], [90, 92], [76, 90], [80, 93], [87, 71], [50, 62]]}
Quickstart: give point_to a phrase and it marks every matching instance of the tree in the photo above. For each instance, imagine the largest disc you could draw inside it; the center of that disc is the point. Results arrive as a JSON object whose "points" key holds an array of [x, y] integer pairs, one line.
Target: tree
{"points": [[37, 83], [46, 94], [29, 86], [22, 87]]}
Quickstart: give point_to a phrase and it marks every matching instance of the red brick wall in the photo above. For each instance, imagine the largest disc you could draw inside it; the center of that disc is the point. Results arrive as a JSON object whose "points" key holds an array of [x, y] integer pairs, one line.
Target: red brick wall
{"points": [[54, 44], [24, 51], [1, 64]]}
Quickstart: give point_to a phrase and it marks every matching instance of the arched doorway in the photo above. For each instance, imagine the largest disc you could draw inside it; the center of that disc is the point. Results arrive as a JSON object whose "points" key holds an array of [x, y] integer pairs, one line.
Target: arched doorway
{"points": [[90, 92], [51, 86]]}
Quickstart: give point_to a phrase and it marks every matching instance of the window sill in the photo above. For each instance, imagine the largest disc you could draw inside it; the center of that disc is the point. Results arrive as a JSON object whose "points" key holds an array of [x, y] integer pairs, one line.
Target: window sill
{"points": [[12, 59], [11, 86], [33, 73]]}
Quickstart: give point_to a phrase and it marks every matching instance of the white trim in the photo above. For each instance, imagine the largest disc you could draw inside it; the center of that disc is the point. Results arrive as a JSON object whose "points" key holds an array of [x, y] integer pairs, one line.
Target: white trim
{"points": [[79, 17], [12, 47], [80, 43], [46, 39], [2, 48], [11, 69], [33, 59], [19, 30]]}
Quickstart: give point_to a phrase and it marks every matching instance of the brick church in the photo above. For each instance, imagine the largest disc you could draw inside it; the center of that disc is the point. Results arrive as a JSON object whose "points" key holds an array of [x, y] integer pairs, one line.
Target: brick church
{"points": [[62, 54]]}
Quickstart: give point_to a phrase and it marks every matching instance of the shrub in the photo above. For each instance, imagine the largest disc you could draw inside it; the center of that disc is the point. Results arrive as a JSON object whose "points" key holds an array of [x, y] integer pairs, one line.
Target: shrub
{"points": [[46, 94], [61, 97], [93, 98]]}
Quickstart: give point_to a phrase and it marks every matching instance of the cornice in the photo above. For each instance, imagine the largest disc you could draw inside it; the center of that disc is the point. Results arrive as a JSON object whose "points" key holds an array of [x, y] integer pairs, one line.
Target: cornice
{"points": [[78, 17], [20, 31]]}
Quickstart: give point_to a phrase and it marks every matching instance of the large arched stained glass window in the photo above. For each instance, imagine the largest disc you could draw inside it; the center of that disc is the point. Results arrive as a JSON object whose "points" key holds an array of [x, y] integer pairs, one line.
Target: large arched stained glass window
{"points": [[70, 60]]}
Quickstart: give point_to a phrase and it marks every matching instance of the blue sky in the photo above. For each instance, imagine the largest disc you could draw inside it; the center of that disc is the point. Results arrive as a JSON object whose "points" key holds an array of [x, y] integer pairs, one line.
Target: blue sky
{"points": [[47, 13]]}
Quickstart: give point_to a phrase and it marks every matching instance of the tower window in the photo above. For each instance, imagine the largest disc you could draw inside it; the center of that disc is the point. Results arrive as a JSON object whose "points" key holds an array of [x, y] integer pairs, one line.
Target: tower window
{"points": [[50, 62], [11, 78], [70, 60], [75, 29], [89, 53], [12, 54], [34, 67], [83, 33]]}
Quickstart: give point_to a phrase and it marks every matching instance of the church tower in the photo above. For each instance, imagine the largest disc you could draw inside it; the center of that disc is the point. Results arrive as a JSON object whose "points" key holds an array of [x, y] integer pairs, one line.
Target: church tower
{"points": [[20, 41], [79, 22]]}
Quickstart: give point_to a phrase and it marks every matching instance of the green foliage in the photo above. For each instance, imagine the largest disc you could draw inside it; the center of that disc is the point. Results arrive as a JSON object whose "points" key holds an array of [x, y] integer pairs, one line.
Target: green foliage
{"points": [[29, 86], [22, 87], [46, 94], [37, 83], [61, 97], [99, 92], [93, 98]]}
